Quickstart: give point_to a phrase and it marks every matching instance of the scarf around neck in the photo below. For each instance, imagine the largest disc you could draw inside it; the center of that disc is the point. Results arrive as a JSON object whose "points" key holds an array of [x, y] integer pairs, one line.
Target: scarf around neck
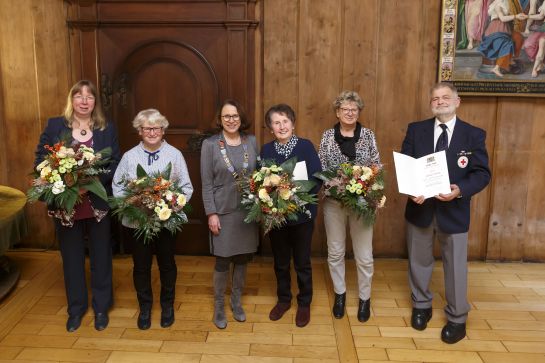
{"points": [[347, 144], [286, 149]]}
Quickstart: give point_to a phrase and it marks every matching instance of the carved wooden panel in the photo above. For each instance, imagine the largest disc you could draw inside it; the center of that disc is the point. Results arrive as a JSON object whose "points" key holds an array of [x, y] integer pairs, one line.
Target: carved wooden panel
{"points": [[180, 57]]}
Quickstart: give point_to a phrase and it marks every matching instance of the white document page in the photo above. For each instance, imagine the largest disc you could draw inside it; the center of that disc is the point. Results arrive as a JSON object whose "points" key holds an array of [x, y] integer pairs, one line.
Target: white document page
{"points": [[427, 176], [300, 171]]}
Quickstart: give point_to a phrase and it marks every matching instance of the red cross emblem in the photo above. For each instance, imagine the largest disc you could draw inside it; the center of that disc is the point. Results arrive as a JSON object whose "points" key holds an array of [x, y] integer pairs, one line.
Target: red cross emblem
{"points": [[462, 161]]}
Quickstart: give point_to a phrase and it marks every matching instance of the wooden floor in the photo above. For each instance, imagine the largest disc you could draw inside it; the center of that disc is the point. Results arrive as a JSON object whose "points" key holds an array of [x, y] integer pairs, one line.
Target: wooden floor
{"points": [[507, 323]]}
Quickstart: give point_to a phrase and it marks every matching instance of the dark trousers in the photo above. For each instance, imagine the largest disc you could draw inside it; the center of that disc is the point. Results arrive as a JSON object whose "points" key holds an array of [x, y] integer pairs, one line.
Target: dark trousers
{"points": [[287, 241], [72, 246], [142, 254]]}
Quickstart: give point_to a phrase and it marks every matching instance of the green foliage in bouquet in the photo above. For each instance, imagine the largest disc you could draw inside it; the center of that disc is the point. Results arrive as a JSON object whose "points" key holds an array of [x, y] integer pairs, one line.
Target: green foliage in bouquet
{"points": [[272, 197], [358, 188], [64, 172], [151, 203]]}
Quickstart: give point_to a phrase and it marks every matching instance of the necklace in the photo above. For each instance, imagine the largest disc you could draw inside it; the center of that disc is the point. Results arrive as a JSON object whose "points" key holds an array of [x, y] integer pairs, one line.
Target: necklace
{"points": [[83, 132], [230, 167]]}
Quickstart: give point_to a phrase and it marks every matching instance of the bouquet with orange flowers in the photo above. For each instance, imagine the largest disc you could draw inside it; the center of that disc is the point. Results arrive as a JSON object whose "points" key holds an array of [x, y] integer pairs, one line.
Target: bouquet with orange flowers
{"points": [[272, 197], [358, 188], [151, 203], [64, 172]]}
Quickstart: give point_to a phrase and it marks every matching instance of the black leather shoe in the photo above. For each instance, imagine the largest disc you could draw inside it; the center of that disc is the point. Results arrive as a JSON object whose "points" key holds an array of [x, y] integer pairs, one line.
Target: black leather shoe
{"points": [[453, 332], [420, 318], [364, 311], [73, 323], [338, 305], [101, 321], [167, 317], [144, 319]]}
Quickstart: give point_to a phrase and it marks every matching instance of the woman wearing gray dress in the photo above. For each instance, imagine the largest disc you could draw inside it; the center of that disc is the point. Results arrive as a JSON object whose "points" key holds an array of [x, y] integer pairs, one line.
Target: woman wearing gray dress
{"points": [[225, 157]]}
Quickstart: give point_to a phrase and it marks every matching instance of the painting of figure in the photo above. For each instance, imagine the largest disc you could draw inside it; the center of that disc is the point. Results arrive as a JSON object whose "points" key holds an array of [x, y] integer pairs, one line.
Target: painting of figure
{"points": [[499, 46]]}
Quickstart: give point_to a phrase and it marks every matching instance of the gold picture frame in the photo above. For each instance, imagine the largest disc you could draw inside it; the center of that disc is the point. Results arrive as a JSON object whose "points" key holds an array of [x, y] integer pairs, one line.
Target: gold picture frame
{"points": [[484, 55]]}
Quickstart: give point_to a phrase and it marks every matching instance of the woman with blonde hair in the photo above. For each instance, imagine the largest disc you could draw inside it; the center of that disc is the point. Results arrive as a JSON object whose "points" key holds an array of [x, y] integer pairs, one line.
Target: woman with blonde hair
{"points": [[84, 123]]}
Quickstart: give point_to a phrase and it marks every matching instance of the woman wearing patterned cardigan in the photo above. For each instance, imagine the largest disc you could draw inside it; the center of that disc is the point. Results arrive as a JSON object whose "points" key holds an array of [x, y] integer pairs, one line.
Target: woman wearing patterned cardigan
{"points": [[348, 141]]}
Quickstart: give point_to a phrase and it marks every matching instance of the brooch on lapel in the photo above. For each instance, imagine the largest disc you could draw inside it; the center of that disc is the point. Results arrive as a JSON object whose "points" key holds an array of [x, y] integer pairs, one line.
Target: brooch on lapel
{"points": [[463, 161]]}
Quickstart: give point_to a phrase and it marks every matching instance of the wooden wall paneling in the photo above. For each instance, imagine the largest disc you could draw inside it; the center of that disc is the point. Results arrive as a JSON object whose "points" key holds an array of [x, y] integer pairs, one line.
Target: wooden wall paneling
{"points": [[21, 107], [534, 228], [280, 62], [3, 130], [52, 62], [319, 56], [360, 44], [402, 46], [280, 67], [480, 112], [258, 74], [506, 235], [236, 58]]}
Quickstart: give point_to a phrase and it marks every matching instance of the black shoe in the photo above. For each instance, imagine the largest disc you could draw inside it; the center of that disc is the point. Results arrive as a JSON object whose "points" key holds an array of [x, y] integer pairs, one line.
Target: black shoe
{"points": [[144, 319], [73, 323], [101, 321], [420, 318], [364, 310], [453, 332], [338, 305], [167, 317]]}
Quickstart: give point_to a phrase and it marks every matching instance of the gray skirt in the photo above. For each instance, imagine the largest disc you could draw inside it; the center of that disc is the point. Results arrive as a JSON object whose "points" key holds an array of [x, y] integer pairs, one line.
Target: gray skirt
{"points": [[236, 237]]}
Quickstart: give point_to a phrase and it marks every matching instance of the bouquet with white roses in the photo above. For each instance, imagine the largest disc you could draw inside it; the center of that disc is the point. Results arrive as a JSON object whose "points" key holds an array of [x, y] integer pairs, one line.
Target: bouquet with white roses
{"points": [[64, 172], [272, 197], [358, 188], [151, 203]]}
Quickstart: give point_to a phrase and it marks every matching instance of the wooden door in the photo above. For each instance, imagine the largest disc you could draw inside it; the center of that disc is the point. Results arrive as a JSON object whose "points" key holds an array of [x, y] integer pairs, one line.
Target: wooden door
{"points": [[180, 57]]}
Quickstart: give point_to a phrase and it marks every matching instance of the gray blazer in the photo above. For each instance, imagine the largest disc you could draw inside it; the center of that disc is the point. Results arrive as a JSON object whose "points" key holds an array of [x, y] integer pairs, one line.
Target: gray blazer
{"points": [[219, 191]]}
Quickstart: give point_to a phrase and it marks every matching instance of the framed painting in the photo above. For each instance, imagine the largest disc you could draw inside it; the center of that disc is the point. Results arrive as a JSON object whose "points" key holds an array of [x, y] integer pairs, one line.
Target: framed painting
{"points": [[493, 47]]}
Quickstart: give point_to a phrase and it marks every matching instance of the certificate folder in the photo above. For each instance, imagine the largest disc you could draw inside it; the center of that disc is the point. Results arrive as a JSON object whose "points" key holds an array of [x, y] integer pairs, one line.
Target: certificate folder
{"points": [[427, 175]]}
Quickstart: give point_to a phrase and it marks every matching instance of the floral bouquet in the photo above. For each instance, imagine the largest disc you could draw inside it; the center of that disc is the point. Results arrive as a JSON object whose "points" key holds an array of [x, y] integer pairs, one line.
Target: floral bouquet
{"points": [[358, 188], [151, 202], [272, 197], [65, 171]]}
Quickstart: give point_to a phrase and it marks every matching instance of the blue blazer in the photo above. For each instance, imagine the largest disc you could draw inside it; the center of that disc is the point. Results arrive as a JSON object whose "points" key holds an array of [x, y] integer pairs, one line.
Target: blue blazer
{"points": [[467, 140], [56, 129]]}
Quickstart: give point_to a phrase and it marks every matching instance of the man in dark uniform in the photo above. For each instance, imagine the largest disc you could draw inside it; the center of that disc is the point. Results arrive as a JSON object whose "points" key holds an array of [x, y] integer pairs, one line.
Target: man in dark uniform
{"points": [[446, 215]]}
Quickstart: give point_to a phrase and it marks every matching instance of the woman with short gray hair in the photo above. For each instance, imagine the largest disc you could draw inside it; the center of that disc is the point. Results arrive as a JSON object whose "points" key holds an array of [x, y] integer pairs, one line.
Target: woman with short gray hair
{"points": [[348, 141], [154, 154]]}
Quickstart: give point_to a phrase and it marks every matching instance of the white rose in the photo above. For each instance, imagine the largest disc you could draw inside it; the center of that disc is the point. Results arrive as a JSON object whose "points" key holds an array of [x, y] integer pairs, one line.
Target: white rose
{"points": [[181, 200], [45, 171], [62, 152], [263, 195], [377, 186], [366, 173], [284, 193], [88, 156], [164, 214], [169, 195], [58, 187], [42, 165]]}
